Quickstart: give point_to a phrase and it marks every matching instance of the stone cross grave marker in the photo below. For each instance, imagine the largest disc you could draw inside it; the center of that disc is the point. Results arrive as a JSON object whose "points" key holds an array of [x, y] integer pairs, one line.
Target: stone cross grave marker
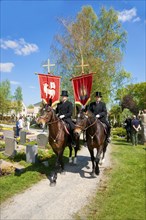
{"points": [[42, 140], [10, 146], [31, 153], [22, 137]]}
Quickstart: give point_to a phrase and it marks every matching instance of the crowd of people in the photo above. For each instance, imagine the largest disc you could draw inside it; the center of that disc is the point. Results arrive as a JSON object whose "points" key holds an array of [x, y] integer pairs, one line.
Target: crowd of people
{"points": [[136, 128]]}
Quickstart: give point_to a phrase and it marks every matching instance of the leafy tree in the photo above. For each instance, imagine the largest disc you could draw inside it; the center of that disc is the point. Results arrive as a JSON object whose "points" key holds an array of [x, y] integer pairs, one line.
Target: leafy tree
{"points": [[133, 93], [30, 106], [99, 40], [18, 99], [128, 102], [5, 97]]}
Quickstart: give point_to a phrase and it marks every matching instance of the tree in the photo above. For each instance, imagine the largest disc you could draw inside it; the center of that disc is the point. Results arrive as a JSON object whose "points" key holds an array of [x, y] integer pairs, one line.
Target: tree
{"points": [[5, 97], [99, 40], [133, 93], [129, 103], [18, 99]]}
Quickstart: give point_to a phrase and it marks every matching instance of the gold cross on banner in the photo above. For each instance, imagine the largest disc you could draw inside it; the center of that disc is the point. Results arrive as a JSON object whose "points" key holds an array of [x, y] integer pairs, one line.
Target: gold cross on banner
{"points": [[82, 65], [48, 65]]}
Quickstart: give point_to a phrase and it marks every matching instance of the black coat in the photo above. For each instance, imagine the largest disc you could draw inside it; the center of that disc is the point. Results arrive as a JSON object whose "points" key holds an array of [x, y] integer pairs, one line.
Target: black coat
{"points": [[99, 109], [66, 109]]}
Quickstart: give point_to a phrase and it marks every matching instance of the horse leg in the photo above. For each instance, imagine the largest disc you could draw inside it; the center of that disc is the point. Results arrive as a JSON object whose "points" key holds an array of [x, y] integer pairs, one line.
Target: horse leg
{"points": [[97, 160], [60, 162], [93, 162], [103, 155], [70, 154], [76, 149]]}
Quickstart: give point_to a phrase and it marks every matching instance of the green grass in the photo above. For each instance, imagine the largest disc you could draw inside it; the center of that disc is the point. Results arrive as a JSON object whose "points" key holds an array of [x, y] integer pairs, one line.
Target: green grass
{"points": [[122, 196], [32, 173]]}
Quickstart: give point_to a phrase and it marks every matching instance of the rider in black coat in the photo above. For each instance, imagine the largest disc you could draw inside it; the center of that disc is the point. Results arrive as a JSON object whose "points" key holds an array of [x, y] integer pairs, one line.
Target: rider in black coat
{"points": [[98, 108], [65, 110]]}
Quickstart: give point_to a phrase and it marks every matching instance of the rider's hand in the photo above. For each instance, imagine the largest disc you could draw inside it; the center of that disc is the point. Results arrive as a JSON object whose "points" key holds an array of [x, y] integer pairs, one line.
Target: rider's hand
{"points": [[97, 116], [61, 116]]}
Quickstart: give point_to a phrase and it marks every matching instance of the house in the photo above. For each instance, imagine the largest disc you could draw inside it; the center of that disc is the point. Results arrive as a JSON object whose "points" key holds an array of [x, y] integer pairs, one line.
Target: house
{"points": [[36, 108]]}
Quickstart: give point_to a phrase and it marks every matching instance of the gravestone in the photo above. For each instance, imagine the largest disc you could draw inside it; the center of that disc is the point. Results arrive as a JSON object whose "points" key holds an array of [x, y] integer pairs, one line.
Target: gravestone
{"points": [[8, 133], [14, 129], [10, 146], [42, 140], [31, 153], [22, 137]]}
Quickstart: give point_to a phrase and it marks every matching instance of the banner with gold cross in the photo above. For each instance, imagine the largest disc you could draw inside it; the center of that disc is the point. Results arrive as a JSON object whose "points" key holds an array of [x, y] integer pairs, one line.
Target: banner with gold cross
{"points": [[82, 86]]}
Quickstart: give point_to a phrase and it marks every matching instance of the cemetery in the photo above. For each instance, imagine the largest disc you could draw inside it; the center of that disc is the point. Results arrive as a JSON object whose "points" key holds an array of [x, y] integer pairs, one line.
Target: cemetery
{"points": [[29, 149]]}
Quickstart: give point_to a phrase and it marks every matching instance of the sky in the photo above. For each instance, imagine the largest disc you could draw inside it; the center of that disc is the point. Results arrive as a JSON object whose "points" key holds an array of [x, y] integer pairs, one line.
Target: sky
{"points": [[28, 29]]}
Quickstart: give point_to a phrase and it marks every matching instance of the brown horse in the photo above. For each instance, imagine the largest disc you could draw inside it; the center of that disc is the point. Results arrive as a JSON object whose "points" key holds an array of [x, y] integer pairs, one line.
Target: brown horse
{"points": [[95, 137], [59, 138]]}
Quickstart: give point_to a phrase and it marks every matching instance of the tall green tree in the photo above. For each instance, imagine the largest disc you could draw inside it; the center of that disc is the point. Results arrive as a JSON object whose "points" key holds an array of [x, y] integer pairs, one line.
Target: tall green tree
{"points": [[99, 40], [137, 92], [18, 97], [5, 97]]}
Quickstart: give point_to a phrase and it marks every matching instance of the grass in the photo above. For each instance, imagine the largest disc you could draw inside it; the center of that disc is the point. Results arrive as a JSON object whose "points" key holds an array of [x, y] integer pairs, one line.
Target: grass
{"points": [[31, 174], [122, 196]]}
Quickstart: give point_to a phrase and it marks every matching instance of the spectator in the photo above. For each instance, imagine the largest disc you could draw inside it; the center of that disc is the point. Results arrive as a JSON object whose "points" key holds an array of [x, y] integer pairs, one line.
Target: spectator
{"points": [[20, 124], [128, 128], [135, 123], [142, 117], [28, 122]]}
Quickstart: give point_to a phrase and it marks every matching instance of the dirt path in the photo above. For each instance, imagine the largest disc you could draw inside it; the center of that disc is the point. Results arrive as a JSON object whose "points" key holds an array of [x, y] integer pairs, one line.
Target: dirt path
{"points": [[72, 191]]}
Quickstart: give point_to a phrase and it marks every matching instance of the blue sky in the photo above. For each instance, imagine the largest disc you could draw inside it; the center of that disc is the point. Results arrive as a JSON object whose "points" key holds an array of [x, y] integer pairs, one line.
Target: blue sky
{"points": [[28, 28]]}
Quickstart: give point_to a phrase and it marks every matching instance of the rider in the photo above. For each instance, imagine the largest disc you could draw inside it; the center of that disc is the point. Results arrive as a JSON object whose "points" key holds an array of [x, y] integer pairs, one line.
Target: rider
{"points": [[98, 108], [65, 110]]}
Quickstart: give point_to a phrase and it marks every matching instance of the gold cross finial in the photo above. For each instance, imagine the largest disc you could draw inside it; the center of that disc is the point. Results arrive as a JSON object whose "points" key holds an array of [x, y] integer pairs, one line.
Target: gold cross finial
{"points": [[48, 65], [82, 65]]}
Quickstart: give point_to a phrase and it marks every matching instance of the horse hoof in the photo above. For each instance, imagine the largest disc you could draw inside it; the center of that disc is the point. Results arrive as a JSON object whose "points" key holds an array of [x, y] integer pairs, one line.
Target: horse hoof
{"points": [[93, 175], [70, 160], [63, 173], [75, 161], [52, 184]]}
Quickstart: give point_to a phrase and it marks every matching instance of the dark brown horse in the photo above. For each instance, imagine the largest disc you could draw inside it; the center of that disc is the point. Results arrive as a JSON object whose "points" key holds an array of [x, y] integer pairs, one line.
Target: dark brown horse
{"points": [[95, 137], [59, 138]]}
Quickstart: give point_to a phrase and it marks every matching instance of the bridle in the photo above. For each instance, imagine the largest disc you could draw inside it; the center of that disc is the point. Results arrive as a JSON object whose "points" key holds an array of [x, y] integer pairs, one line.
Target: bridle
{"points": [[85, 129]]}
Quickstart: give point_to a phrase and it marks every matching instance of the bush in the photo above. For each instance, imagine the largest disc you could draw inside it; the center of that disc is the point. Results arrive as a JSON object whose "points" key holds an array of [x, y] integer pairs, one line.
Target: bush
{"points": [[119, 131]]}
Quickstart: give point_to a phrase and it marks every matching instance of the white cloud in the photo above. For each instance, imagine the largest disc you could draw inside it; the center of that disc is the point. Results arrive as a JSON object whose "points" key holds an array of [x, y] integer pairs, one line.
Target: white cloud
{"points": [[137, 19], [32, 87], [6, 67], [14, 82], [20, 47], [128, 15]]}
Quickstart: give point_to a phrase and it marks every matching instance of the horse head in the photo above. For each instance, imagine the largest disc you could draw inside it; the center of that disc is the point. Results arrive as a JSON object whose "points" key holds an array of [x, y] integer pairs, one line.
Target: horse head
{"points": [[46, 114], [83, 122]]}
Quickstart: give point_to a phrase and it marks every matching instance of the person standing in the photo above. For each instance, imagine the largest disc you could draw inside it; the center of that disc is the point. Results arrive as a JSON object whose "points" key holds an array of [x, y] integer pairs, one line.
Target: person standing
{"points": [[135, 123], [20, 123], [64, 111], [98, 108], [28, 122], [128, 128], [143, 124]]}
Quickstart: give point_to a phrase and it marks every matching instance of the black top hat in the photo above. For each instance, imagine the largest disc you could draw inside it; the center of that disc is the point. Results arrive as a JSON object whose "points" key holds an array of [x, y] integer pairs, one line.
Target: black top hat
{"points": [[98, 94], [64, 93]]}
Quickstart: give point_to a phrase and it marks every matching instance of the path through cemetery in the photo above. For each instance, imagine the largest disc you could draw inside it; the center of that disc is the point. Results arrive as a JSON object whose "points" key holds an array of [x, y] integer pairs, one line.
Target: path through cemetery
{"points": [[72, 192]]}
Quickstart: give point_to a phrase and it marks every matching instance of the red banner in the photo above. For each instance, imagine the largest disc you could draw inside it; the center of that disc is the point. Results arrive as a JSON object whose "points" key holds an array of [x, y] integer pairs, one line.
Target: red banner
{"points": [[49, 88], [82, 88]]}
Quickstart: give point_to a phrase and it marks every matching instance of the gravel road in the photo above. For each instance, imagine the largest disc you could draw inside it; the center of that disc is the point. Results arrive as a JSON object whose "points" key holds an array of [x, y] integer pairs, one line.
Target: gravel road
{"points": [[72, 192]]}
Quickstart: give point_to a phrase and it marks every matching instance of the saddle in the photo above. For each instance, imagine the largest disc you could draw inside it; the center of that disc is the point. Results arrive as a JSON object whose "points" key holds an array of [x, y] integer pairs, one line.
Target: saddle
{"points": [[66, 127]]}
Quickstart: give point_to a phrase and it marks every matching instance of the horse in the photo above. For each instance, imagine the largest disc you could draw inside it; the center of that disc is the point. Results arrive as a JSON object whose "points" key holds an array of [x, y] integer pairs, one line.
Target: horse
{"points": [[95, 137], [59, 138]]}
